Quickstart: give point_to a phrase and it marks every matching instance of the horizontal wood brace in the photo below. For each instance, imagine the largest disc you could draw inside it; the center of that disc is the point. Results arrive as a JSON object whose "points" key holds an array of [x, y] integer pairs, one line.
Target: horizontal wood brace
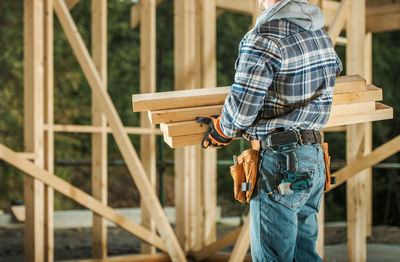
{"points": [[99, 129]]}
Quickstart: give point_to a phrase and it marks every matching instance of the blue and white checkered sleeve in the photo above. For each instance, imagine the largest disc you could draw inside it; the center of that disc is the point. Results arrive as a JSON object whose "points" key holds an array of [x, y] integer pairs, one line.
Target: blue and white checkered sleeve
{"points": [[259, 59]]}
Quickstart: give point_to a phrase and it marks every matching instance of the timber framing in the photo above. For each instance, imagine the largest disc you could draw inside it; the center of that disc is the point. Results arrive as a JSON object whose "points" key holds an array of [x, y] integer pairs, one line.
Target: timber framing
{"points": [[354, 108]]}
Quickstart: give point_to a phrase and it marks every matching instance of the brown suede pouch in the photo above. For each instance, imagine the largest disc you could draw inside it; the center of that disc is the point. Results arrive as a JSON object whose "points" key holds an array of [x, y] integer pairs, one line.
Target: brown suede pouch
{"points": [[237, 173], [249, 159], [327, 160]]}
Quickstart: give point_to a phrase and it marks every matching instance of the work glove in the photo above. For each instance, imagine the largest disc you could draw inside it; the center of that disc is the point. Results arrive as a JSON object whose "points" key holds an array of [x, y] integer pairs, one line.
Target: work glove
{"points": [[214, 137]]}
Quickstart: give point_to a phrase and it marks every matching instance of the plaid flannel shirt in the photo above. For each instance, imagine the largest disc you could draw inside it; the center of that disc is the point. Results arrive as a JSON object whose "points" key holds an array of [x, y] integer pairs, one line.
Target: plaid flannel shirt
{"points": [[285, 77]]}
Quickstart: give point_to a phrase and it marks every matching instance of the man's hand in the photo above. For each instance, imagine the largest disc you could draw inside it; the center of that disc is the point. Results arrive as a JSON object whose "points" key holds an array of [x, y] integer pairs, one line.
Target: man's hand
{"points": [[214, 137]]}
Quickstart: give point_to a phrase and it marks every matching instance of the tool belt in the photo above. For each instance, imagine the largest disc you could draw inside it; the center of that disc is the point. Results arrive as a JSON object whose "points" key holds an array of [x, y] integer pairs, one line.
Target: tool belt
{"points": [[244, 171], [244, 174]]}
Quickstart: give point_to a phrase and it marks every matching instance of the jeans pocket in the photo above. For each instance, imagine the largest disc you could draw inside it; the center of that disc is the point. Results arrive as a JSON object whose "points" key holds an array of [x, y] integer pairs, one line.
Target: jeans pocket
{"points": [[297, 199]]}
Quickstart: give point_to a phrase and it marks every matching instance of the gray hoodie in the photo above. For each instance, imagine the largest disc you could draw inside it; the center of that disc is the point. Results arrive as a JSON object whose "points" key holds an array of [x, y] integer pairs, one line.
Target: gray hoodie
{"points": [[299, 12]]}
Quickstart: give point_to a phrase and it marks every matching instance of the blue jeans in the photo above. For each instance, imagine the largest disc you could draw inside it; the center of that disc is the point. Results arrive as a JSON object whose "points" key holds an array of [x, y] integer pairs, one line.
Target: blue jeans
{"points": [[284, 227]]}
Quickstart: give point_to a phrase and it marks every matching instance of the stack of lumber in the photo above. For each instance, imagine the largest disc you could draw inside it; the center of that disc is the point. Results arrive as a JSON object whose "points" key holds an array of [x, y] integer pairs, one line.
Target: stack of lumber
{"points": [[353, 102]]}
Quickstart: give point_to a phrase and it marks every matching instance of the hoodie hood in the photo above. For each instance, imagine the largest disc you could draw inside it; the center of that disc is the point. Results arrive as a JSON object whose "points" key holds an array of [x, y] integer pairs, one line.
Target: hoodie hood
{"points": [[299, 12]]}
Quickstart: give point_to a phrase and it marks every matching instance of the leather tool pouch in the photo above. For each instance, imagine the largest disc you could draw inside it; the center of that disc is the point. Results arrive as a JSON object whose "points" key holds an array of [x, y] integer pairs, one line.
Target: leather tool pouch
{"points": [[237, 173], [245, 175], [327, 160]]}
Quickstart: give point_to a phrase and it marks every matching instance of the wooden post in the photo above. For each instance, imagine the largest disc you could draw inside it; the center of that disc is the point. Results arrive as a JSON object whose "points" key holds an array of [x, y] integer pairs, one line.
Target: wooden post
{"points": [[128, 152], [358, 138], [185, 169], [99, 140], [148, 85], [33, 126], [49, 133], [368, 134], [243, 242], [209, 79]]}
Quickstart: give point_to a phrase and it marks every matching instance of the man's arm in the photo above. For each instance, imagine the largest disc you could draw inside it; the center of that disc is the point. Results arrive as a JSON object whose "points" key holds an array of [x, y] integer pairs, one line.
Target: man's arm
{"points": [[259, 60]]}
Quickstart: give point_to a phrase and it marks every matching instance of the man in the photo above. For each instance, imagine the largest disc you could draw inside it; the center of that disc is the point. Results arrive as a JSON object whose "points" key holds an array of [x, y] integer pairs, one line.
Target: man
{"points": [[282, 94]]}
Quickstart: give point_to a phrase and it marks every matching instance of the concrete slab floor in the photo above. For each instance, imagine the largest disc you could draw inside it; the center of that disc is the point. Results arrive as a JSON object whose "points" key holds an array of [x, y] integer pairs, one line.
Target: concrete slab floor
{"points": [[375, 253]]}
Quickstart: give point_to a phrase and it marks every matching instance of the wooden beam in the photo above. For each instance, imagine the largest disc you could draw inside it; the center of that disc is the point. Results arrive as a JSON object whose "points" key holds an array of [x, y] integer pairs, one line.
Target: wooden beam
{"points": [[239, 6], [383, 18], [356, 186], [218, 245], [28, 155], [182, 114], [208, 41], [148, 85], [136, 13], [187, 136], [186, 168], [79, 196], [339, 22], [99, 140], [124, 143], [377, 155], [71, 3], [49, 133], [243, 242], [131, 258], [188, 114], [381, 112], [216, 96], [33, 126], [96, 129], [368, 78]]}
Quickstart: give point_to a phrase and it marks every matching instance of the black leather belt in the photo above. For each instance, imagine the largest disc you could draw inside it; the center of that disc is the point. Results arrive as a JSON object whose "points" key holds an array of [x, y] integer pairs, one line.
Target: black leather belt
{"points": [[284, 141]]}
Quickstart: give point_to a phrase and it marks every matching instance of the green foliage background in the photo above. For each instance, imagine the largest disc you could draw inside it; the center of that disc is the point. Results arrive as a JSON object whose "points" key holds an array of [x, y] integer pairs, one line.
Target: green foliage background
{"points": [[72, 103]]}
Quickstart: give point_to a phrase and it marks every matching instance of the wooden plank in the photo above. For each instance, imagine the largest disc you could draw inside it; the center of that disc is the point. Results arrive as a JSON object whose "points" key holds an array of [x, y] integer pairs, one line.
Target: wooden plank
{"points": [[124, 143], [377, 155], [49, 133], [334, 129], [382, 112], [208, 40], [28, 155], [79, 196], [239, 6], [131, 258], [353, 108], [216, 96], [19, 213], [368, 78], [329, 8], [243, 242], [383, 18], [373, 93], [33, 126], [218, 245], [186, 71], [356, 138], [96, 129], [136, 13], [188, 114], [337, 118], [99, 140], [338, 22], [71, 3], [148, 85], [182, 114]]}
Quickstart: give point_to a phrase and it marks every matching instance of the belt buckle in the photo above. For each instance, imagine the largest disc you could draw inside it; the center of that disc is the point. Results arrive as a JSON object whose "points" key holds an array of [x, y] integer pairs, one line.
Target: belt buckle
{"points": [[299, 137]]}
